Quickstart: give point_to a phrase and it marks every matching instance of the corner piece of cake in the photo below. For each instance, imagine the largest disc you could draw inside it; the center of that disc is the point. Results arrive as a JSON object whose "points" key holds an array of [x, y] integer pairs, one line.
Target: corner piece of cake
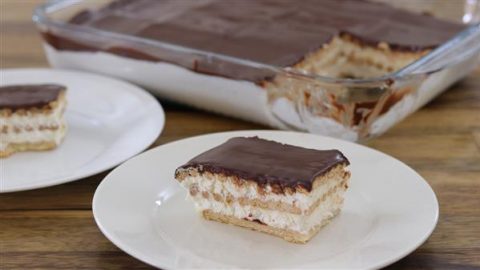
{"points": [[31, 117], [284, 190]]}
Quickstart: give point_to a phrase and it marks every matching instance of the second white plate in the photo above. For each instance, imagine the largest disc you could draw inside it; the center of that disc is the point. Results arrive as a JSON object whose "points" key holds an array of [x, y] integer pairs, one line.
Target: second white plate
{"points": [[109, 121], [389, 211]]}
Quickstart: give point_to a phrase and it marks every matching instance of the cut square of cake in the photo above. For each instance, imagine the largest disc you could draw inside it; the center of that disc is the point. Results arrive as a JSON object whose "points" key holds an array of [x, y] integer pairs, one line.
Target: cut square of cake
{"points": [[279, 189], [31, 117]]}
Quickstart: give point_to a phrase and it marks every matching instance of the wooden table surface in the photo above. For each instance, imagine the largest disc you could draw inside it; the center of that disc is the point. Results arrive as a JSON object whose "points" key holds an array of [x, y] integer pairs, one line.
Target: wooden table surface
{"points": [[54, 228]]}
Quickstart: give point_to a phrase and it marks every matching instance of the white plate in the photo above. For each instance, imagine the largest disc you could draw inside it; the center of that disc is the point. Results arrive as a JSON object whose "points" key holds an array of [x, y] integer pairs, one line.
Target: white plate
{"points": [[109, 121], [389, 211]]}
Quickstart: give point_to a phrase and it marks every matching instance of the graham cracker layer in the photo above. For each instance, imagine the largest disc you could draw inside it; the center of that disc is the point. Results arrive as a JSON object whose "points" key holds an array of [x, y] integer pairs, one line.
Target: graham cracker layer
{"points": [[20, 147], [287, 235], [346, 57]]}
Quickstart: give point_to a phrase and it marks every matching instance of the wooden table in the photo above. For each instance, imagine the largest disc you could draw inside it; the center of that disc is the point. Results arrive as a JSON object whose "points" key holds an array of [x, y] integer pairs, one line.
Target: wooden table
{"points": [[54, 228]]}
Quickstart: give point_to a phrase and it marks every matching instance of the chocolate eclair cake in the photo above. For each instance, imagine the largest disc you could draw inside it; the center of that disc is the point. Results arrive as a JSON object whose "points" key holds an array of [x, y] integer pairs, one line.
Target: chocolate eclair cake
{"points": [[335, 38], [31, 117], [279, 189], [223, 49]]}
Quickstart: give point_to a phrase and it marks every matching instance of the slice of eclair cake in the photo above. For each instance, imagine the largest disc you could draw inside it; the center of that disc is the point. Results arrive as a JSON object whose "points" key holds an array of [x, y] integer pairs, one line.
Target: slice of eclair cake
{"points": [[31, 117], [280, 189]]}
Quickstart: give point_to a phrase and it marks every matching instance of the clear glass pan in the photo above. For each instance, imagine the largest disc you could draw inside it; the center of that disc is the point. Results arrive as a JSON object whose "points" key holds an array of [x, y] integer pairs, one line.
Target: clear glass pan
{"points": [[353, 109]]}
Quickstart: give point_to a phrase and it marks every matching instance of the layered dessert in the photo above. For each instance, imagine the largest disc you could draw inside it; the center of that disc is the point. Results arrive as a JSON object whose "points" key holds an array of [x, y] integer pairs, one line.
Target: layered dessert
{"points": [[337, 39], [31, 117], [283, 190]]}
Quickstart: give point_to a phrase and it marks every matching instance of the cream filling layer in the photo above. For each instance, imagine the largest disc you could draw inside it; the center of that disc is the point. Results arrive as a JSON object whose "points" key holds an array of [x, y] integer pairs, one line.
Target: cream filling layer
{"points": [[215, 185], [33, 128], [274, 218]]}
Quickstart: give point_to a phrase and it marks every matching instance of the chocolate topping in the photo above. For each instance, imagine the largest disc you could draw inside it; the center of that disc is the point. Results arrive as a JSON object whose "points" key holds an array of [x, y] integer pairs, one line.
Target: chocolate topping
{"points": [[267, 162], [16, 97], [277, 32]]}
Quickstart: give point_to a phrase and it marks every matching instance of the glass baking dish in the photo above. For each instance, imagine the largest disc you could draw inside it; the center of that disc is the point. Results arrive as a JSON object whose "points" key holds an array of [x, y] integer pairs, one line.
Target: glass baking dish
{"points": [[352, 109]]}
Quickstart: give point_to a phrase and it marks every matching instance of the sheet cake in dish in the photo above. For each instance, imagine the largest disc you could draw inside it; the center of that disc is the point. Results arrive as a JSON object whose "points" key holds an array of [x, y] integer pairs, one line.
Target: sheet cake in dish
{"points": [[204, 52]]}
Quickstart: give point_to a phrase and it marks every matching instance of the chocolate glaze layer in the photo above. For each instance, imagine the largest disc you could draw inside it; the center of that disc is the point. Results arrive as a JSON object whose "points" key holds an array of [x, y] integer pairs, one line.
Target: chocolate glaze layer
{"points": [[276, 32], [16, 97], [267, 162]]}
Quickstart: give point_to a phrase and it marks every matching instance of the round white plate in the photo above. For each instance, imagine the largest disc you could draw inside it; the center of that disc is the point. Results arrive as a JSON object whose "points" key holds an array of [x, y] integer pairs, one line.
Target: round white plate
{"points": [[108, 121], [389, 211]]}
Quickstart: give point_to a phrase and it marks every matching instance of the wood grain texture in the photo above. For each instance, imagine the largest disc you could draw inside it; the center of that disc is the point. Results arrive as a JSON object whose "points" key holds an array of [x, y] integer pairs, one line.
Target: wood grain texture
{"points": [[53, 227]]}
